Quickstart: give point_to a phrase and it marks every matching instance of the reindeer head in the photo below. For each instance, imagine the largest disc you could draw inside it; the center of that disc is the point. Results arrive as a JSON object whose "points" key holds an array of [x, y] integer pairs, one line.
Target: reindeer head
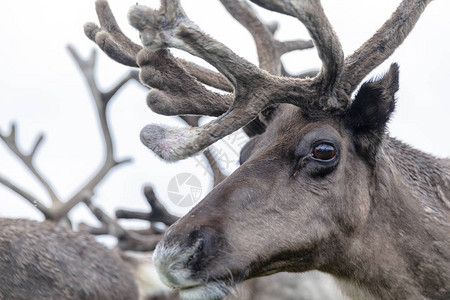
{"points": [[303, 187], [302, 190]]}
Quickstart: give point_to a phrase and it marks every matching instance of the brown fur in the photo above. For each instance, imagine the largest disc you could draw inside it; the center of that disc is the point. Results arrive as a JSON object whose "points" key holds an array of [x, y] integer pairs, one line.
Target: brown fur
{"points": [[45, 261]]}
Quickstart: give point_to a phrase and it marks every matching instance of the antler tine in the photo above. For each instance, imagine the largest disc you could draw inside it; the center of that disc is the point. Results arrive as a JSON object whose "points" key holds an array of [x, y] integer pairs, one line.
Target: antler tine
{"points": [[158, 212], [383, 43], [29, 197], [127, 239], [174, 91], [110, 37], [161, 71], [265, 44], [311, 14], [269, 49], [109, 225], [218, 175], [120, 48], [28, 160], [207, 76]]}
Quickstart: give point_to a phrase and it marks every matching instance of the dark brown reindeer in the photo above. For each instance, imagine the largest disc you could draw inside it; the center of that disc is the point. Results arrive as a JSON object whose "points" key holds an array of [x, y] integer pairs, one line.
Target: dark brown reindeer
{"points": [[324, 187]]}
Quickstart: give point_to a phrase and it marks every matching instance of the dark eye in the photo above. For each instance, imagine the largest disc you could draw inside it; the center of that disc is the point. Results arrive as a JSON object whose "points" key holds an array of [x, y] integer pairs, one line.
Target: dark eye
{"points": [[324, 152]]}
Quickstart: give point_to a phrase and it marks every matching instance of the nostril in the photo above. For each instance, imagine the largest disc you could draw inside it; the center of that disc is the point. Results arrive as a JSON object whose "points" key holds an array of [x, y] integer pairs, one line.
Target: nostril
{"points": [[191, 259], [198, 251], [203, 248], [200, 247]]}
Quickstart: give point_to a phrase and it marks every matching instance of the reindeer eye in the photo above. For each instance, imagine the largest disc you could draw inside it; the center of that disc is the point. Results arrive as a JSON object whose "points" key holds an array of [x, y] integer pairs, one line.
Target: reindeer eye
{"points": [[324, 152]]}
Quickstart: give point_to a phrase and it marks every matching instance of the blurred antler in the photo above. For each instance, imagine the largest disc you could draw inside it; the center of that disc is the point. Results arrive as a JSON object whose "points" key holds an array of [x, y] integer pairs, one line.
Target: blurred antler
{"points": [[269, 49], [127, 239], [28, 159], [158, 212], [59, 209]]}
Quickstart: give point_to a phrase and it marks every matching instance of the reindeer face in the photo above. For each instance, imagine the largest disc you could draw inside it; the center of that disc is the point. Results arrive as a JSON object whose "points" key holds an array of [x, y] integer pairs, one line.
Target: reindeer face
{"points": [[298, 189]]}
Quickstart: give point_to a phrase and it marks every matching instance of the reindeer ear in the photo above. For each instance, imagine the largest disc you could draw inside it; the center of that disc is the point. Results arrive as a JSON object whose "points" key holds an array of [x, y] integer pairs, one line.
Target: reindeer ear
{"points": [[370, 111], [375, 101]]}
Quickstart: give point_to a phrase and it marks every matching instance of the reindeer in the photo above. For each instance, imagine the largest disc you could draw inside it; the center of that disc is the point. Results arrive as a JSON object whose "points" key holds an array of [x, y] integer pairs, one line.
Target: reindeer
{"points": [[321, 186]]}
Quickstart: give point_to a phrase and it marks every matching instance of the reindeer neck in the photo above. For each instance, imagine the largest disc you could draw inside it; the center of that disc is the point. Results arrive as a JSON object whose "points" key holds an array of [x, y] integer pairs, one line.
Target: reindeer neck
{"points": [[426, 176], [403, 251]]}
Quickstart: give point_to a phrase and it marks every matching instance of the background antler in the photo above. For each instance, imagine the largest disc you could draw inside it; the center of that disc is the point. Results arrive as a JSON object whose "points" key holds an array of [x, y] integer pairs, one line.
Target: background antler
{"points": [[158, 213], [58, 208], [137, 240], [146, 239], [28, 159], [269, 49]]}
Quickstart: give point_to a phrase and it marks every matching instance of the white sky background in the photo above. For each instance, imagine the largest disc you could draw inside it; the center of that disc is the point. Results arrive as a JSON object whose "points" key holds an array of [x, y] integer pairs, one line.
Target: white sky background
{"points": [[43, 91]]}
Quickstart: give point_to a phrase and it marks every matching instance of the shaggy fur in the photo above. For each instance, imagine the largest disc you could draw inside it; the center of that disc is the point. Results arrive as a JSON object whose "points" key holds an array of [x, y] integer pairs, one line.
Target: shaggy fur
{"points": [[43, 261]]}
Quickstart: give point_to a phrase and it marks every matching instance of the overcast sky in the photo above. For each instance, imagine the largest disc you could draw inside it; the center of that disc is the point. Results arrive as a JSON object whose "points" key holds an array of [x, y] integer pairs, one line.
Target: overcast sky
{"points": [[43, 91]]}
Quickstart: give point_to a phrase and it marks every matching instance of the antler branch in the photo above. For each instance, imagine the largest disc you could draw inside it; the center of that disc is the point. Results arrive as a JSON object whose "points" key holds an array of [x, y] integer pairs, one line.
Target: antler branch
{"points": [[29, 197], [311, 14], [28, 160], [382, 44], [127, 239], [158, 212], [174, 84], [269, 49], [60, 209], [101, 100]]}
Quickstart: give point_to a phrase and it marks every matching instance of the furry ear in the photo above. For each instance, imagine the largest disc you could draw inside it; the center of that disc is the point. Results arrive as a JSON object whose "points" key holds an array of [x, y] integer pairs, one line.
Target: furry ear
{"points": [[375, 101], [370, 112]]}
